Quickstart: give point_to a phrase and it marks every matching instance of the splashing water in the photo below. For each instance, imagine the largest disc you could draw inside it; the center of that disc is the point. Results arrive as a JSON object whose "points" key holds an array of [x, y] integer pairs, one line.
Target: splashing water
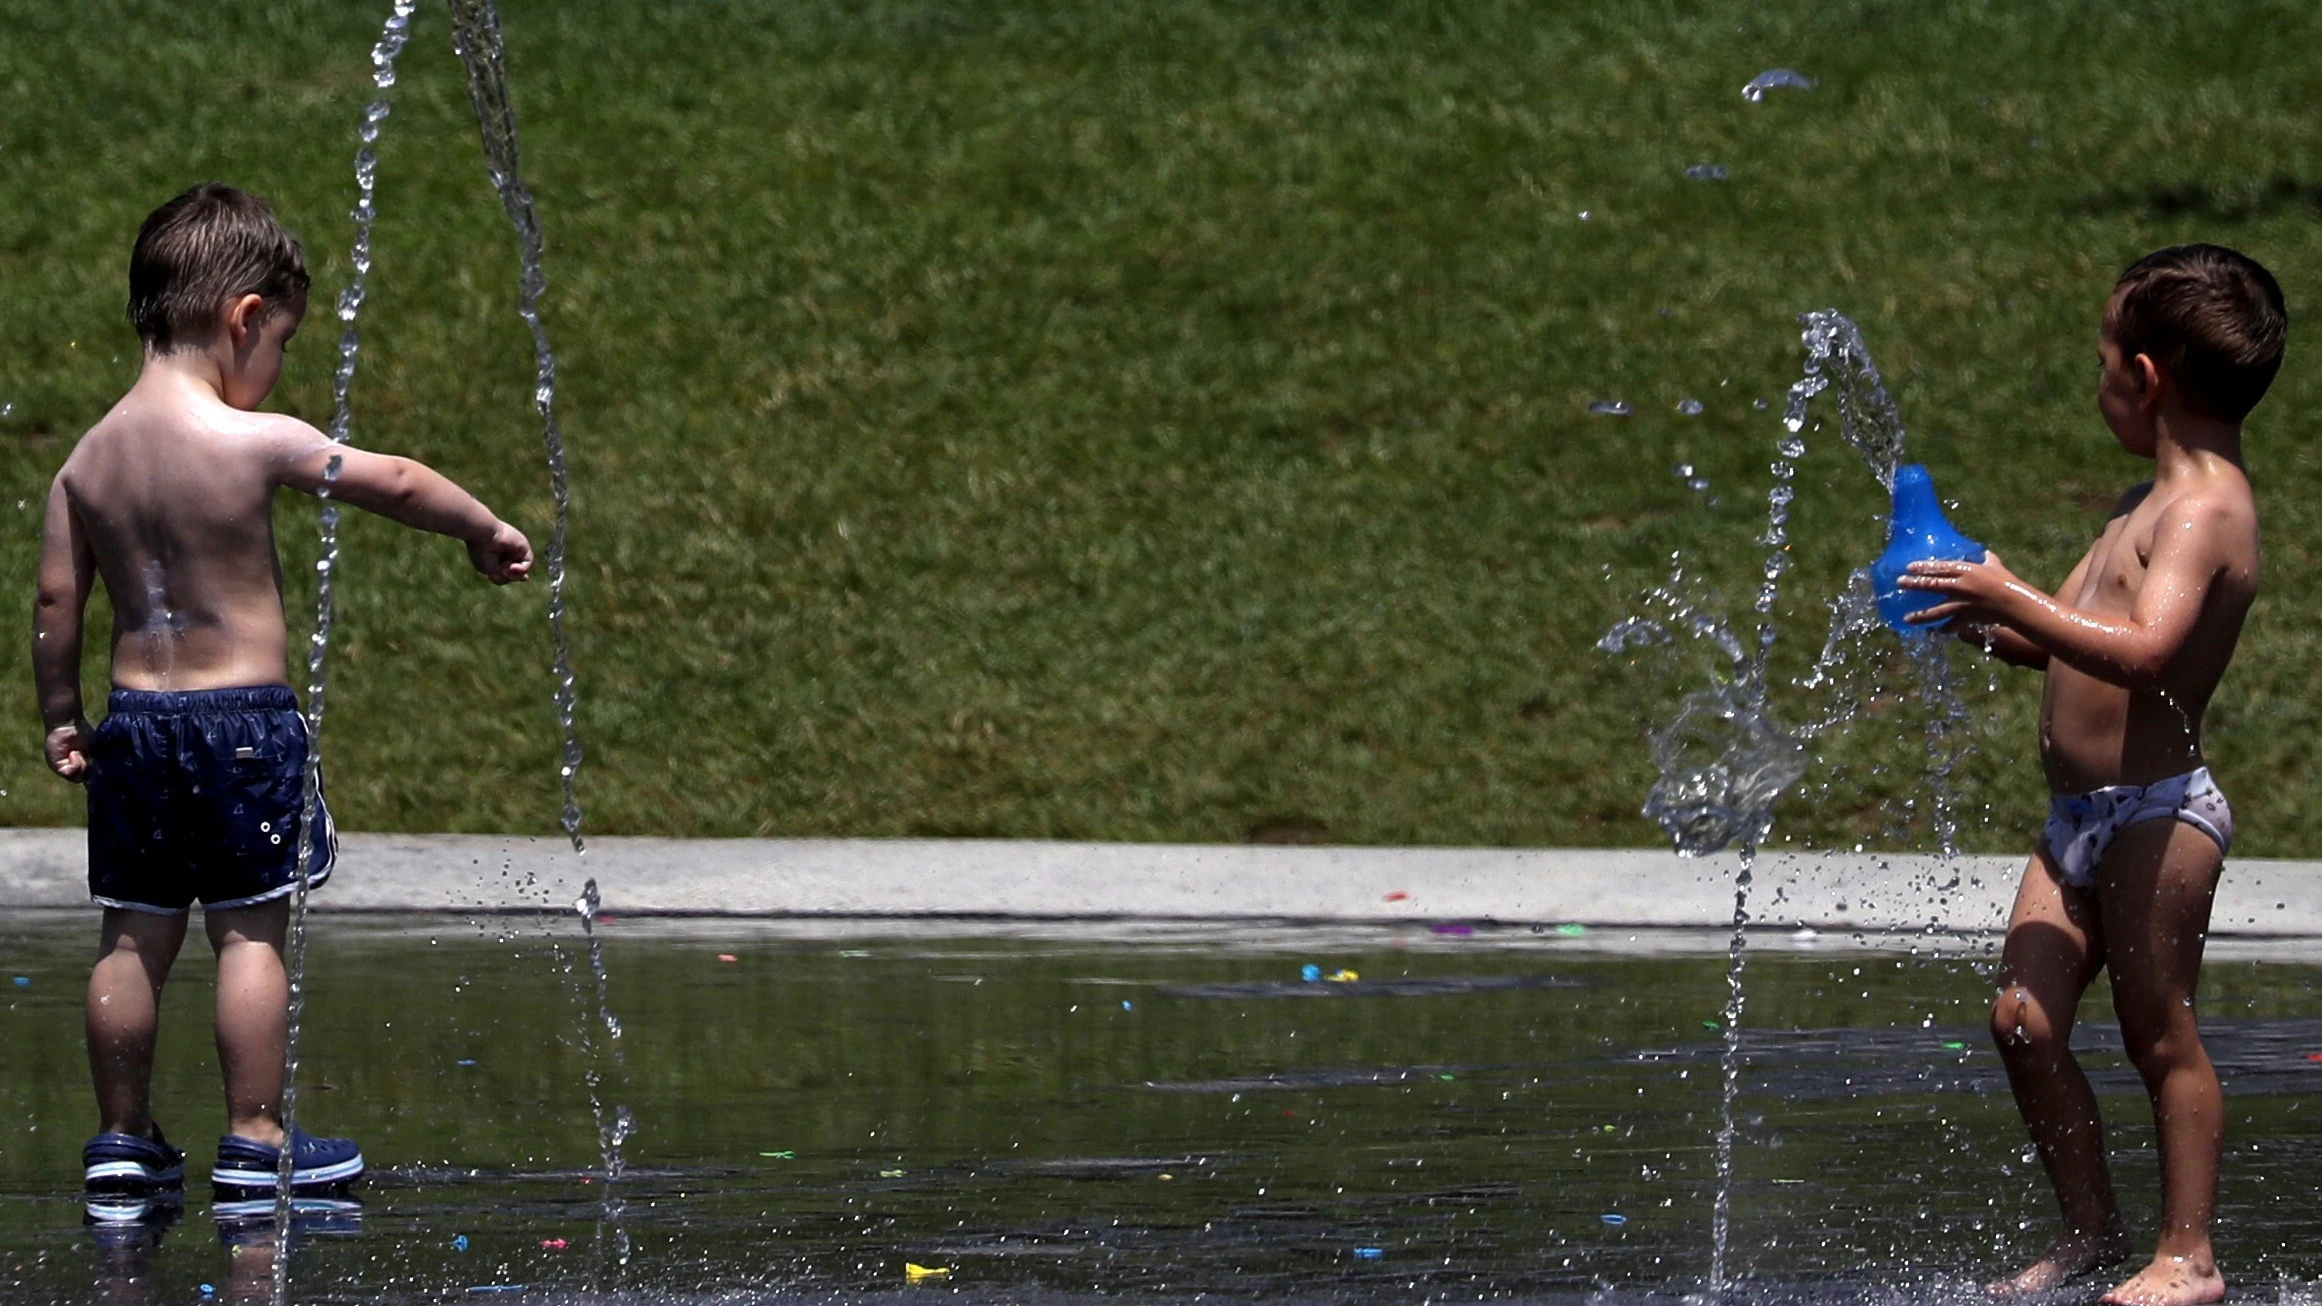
{"points": [[1729, 1068], [614, 1127], [477, 39], [1723, 762], [1854, 619], [1838, 363], [392, 36], [1775, 79], [1947, 717], [1836, 360], [1776, 763], [1706, 172]]}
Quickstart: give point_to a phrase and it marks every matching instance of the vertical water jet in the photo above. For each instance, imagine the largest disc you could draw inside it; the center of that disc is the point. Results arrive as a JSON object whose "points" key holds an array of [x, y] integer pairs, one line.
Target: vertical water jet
{"points": [[476, 37], [1724, 761], [393, 35]]}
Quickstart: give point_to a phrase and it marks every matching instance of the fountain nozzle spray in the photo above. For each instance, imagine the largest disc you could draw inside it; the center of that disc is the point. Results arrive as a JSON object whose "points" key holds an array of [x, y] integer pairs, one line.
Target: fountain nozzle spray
{"points": [[1916, 532]]}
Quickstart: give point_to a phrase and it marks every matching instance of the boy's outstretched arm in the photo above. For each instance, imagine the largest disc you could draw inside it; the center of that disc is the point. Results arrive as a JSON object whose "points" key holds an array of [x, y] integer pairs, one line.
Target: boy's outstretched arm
{"points": [[68, 567], [411, 493], [2134, 652]]}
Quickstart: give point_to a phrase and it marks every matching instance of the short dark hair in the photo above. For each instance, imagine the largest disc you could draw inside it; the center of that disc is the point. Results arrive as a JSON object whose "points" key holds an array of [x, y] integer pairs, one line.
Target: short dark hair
{"points": [[2211, 316], [208, 246]]}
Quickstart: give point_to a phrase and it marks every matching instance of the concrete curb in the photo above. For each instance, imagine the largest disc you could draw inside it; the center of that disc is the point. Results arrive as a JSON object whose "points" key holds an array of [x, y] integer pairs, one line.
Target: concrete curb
{"points": [[1037, 880]]}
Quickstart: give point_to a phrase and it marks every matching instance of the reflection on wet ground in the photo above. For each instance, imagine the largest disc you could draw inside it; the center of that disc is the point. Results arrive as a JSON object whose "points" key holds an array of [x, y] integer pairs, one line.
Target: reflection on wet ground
{"points": [[1051, 1115]]}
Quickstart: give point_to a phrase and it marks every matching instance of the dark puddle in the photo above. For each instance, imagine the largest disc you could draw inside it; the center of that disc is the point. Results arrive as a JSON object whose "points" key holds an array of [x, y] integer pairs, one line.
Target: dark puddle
{"points": [[1046, 1119]]}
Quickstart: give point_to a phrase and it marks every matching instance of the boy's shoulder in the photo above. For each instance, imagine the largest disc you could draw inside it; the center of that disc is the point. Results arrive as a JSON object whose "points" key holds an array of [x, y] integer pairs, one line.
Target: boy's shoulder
{"points": [[2216, 511], [2216, 494], [194, 436], [2220, 495]]}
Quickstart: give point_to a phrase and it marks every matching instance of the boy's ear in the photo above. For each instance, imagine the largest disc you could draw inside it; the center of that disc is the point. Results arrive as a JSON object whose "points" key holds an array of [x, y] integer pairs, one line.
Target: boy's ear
{"points": [[2148, 374], [243, 316]]}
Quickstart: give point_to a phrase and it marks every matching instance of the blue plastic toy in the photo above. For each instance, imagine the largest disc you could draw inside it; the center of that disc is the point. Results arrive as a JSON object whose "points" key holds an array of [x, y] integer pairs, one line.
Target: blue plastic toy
{"points": [[1917, 532]]}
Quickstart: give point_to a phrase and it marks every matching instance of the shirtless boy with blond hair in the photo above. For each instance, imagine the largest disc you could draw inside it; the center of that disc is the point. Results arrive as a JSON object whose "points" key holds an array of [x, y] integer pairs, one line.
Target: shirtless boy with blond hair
{"points": [[2133, 644], [196, 776]]}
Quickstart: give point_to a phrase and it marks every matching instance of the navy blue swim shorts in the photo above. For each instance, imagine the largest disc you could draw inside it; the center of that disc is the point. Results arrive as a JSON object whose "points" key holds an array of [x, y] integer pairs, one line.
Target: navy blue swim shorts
{"points": [[198, 795]]}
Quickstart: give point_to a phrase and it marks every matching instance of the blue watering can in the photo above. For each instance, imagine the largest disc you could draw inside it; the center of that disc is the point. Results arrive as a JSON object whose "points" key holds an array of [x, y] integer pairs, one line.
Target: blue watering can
{"points": [[1917, 532]]}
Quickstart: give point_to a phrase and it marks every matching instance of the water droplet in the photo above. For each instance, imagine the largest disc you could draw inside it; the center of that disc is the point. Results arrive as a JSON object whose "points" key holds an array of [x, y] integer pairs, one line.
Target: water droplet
{"points": [[1705, 172], [1774, 79], [1689, 407], [1610, 408]]}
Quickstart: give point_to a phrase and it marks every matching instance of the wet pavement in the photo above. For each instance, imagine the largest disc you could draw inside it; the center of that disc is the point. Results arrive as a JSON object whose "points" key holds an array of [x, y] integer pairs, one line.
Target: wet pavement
{"points": [[1163, 1113]]}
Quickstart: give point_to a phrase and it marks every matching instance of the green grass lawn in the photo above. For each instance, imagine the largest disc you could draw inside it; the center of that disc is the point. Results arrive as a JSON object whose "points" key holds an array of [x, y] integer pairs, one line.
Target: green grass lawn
{"points": [[1168, 419]]}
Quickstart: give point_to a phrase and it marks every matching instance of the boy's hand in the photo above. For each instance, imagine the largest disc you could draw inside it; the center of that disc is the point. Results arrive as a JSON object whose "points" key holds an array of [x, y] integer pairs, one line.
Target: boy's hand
{"points": [[503, 556], [68, 750], [1975, 590]]}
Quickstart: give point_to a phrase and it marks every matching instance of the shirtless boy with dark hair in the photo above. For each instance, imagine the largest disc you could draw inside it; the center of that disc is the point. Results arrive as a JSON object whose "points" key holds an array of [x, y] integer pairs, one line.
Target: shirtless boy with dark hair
{"points": [[196, 776], [2133, 644]]}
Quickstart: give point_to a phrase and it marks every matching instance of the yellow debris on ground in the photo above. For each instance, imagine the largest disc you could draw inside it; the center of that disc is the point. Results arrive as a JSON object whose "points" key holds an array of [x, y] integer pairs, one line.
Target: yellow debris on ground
{"points": [[917, 1273]]}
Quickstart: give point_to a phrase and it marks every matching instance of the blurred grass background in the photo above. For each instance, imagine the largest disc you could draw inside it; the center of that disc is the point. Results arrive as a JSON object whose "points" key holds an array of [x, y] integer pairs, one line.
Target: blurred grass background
{"points": [[1168, 420]]}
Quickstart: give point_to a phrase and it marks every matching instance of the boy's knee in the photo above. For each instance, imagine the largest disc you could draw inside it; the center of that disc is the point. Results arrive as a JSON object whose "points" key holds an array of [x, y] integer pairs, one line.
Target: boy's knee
{"points": [[2019, 1024], [2157, 1051]]}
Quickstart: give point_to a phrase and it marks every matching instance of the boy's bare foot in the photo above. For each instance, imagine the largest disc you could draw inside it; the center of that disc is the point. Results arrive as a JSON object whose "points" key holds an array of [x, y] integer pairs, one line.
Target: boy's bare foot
{"points": [[2068, 1258], [2172, 1281]]}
